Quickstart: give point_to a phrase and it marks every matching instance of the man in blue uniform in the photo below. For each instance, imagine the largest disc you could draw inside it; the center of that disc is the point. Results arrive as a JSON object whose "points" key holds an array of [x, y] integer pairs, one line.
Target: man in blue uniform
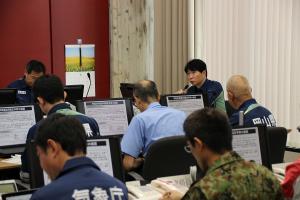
{"points": [[48, 91], [61, 148], [240, 98], [197, 75], [154, 122], [34, 70]]}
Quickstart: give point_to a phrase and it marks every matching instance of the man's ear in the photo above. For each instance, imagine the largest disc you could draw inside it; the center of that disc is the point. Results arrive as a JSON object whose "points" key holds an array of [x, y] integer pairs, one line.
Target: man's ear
{"points": [[198, 144], [65, 95], [230, 94], [41, 100], [53, 148]]}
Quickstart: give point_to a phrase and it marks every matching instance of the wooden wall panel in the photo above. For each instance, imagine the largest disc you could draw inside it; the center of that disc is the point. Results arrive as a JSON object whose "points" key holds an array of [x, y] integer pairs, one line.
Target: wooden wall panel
{"points": [[130, 47]]}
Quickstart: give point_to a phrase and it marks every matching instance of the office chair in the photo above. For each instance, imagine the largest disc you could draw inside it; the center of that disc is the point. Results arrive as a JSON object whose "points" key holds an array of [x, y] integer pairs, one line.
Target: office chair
{"points": [[167, 157], [277, 142], [229, 109]]}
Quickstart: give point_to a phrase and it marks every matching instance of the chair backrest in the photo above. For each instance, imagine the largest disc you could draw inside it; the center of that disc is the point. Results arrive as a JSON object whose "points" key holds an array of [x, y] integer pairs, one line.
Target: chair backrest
{"points": [[229, 109], [167, 157], [277, 143]]}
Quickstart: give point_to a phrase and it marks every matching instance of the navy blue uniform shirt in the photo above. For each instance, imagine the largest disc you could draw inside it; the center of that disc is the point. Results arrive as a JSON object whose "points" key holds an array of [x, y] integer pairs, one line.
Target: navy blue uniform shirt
{"points": [[214, 92], [257, 115], [81, 177], [90, 125], [24, 93]]}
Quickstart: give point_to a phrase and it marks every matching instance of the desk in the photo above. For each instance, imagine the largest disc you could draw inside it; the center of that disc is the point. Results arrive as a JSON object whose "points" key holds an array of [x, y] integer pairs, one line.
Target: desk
{"points": [[5, 165], [9, 170]]}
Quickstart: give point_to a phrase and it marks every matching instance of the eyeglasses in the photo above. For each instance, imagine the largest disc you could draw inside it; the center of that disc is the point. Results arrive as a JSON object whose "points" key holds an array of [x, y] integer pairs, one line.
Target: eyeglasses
{"points": [[187, 148]]}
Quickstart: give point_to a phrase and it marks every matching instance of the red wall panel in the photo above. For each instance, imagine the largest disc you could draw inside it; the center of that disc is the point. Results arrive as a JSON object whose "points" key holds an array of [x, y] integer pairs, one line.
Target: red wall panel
{"points": [[24, 35], [86, 19], [39, 29]]}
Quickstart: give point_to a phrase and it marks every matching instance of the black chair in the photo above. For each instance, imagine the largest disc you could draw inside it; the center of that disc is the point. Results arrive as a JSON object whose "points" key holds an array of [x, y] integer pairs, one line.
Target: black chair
{"points": [[277, 143], [167, 157], [229, 109]]}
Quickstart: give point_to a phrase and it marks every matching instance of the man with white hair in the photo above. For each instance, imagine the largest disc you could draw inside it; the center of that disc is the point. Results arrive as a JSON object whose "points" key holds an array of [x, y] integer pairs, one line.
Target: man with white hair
{"points": [[240, 98]]}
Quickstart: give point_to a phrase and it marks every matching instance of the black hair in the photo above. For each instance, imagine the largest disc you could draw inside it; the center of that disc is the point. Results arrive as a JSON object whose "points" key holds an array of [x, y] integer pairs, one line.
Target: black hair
{"points": [[145, 89], [36, 66], [65, 130], [49, 87], [195, 65], [211, 127]]}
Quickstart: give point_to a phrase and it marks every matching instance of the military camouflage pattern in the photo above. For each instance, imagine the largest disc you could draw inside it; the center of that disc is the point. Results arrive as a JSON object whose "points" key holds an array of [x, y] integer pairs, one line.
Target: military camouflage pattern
{"points": [[231, 177]]}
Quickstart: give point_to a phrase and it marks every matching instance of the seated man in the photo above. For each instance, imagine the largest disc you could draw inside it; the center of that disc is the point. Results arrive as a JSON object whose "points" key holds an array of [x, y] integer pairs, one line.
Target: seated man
{"points": [[61, 148], [48, 91], [154, 122], [197, 75], [34, 70], [227, 175], [240, 98]]}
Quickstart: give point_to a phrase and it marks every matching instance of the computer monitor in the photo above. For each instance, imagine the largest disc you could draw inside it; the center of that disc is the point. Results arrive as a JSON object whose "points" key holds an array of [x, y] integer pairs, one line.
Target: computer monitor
{"points": [[112, 115], [252, 143], [127, 90], [104, 151], [15, 121], [185, 103], [8, 186], [8, 96], [74, 93], [22, 195]]}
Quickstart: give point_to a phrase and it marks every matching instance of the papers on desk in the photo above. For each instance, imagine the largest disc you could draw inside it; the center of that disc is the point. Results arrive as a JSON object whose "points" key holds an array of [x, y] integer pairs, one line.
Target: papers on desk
{"points": [[15, 159], [158, 187], [279, 170]]}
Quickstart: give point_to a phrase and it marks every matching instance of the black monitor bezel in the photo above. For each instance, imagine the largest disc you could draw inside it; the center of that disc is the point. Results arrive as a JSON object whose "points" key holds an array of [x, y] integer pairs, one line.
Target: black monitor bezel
{"points": [[127, 90], [10, 95], [78, 88], [15, 194], [263, 142]]}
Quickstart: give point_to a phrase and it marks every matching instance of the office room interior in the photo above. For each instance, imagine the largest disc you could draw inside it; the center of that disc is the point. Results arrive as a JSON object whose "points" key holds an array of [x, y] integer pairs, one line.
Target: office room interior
{"points": [[154, 39]]}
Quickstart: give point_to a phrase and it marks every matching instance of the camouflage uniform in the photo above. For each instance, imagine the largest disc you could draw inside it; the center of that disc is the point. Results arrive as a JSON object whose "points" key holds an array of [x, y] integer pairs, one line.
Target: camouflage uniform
{"points": [[231, 177]]}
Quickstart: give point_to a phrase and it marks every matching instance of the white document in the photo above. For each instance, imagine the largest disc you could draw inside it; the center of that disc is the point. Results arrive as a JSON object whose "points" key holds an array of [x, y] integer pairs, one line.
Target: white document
{"points": [[158, 187], [99, 151], [15, 122], [245, 142], [186, 103], [111, 115]]}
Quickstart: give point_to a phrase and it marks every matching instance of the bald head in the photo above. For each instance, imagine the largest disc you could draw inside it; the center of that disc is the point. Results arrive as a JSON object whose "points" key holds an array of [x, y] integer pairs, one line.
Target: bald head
{"points": [[238, 90], [146, 91], [238, 85]]}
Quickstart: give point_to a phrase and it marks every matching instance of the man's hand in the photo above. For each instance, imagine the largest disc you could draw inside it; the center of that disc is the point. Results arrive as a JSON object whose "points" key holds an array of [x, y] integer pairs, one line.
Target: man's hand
{"points": [[130, 163], [172, 195]]}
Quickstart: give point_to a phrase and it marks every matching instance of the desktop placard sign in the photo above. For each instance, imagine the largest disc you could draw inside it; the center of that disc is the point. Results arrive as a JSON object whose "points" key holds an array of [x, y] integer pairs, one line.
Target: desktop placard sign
{"points": [[15, 121], [185, 103], [112, 115], [104, 151], [251, 143]]}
